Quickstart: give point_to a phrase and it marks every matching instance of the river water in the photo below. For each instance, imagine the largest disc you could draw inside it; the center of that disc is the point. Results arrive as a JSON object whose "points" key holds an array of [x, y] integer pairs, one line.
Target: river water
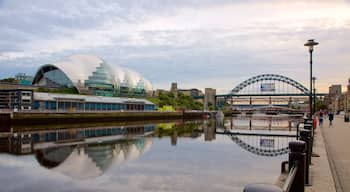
{"points": [[152, 156]]}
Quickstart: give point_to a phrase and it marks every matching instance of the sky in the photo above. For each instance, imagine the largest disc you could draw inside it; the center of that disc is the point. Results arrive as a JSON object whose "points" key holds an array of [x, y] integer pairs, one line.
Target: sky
{"points": [[196, 43]]}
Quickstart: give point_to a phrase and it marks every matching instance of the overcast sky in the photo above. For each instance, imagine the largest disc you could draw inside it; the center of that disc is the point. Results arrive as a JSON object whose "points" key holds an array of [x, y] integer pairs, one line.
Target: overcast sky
{"points": [[197, 43]]}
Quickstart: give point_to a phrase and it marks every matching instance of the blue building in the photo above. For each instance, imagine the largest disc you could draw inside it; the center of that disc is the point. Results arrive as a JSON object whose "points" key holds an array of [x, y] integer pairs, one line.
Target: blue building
{"points": [[82, 103], [24, 100]]}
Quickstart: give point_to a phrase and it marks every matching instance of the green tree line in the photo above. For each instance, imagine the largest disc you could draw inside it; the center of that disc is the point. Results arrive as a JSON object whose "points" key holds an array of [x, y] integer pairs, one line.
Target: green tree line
{"points": [[180, 102]]}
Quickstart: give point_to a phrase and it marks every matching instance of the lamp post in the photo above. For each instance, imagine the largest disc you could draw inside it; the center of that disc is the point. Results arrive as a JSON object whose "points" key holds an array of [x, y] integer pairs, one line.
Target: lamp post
{"points": [[314, 93], [310, 43]]}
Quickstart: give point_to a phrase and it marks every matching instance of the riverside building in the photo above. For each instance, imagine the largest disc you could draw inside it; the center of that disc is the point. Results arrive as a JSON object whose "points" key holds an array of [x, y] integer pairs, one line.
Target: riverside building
{"points": [[22, 100], [87, 74]]}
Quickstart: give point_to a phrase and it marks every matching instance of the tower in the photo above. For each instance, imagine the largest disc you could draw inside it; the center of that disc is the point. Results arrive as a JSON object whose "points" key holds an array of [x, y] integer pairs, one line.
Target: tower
{"points": [[174, 89]]}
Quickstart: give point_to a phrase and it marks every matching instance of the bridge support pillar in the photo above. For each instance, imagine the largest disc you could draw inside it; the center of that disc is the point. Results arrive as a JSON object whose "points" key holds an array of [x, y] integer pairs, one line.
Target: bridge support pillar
{"points": [[209, 98]]}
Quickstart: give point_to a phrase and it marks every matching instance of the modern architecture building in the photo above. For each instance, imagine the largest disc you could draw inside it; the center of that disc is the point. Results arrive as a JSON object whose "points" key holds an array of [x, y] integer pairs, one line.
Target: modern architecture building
{"points": [[87, 74]]}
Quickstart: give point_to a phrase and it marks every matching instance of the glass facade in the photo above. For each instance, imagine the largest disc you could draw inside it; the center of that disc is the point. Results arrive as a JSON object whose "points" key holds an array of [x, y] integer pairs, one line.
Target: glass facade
{"points": [[99, 79], [56, 78], [101, 82], [90, 106]]}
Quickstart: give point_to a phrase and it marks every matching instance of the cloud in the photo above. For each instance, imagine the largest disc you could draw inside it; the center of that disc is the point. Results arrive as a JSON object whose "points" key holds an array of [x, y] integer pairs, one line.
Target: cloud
{"points": [[196, 40]]}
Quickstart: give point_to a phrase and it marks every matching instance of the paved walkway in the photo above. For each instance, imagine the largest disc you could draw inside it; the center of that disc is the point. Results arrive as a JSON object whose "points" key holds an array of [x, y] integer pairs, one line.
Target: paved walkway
{"points": [[321, 178], [337, 140]]}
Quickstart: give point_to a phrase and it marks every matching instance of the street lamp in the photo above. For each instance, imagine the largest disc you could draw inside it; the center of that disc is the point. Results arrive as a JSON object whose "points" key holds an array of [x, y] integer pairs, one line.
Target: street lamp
{"points": [[313, 82], [310, 43]]}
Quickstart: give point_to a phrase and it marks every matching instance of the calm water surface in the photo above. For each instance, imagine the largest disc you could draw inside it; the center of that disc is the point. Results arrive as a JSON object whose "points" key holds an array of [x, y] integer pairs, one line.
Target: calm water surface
{"points": [[175, 156]]}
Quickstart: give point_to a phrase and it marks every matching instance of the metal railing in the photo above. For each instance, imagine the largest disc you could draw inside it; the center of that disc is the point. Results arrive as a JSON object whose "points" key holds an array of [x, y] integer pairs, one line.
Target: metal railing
{"points": [[289, 181], [299, 163], [296, 178]]}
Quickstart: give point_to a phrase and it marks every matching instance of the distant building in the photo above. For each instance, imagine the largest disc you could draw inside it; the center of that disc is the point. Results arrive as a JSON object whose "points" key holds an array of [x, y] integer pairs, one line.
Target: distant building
{"points": [[24, 79], [16, 99], [335, 98], [191, 92], [174, 89], [209, 97], [335, 90], [346, 100]]}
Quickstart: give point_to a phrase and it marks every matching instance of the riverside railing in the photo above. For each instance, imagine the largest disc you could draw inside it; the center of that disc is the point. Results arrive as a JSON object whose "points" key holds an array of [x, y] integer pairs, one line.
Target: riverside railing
{"points": [[295, 181], [299, 163]]}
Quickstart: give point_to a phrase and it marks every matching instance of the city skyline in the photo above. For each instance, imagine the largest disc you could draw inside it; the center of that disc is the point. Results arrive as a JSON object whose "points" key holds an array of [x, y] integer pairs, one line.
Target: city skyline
{"points": [[214, 44]]}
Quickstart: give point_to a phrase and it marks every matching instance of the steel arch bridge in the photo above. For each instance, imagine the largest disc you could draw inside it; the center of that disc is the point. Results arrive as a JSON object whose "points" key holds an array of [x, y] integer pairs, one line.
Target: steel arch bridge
{"points": [[271, 78], [265, 90], [248, 143], [256, 90]]}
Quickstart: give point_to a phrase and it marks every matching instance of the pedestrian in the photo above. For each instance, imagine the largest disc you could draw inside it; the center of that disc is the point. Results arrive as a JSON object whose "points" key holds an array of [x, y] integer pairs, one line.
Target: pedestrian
{"points": [[320, 119], [330, 117]]}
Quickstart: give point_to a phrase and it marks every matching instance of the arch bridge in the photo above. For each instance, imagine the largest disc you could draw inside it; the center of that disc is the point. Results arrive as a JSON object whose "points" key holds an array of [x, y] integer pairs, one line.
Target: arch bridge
{"points": [[266, 90]]}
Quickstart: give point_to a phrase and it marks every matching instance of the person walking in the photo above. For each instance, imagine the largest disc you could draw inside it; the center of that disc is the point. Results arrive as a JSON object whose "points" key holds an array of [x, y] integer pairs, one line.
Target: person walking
{"points": [[320, 119], [330, 117]]}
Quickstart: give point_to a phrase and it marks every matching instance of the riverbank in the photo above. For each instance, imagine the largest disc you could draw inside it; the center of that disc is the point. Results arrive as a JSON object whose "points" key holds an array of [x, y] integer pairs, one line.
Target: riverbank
{"points": [[19, 119]]}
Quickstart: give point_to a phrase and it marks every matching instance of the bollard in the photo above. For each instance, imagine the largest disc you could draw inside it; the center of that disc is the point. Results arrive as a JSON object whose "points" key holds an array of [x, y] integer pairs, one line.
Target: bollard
{"points": [[305, 135], [308, 140], [261, 188], [297, 157], [309, 127]]}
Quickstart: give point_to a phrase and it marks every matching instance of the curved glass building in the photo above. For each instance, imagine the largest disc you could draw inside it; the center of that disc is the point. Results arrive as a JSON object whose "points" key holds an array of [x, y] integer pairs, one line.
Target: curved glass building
{"points": [[89, 74]]}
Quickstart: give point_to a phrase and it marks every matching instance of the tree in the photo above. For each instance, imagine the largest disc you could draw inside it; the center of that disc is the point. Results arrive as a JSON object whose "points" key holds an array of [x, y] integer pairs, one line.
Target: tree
{"points": [[9, 80], [180, 102]]}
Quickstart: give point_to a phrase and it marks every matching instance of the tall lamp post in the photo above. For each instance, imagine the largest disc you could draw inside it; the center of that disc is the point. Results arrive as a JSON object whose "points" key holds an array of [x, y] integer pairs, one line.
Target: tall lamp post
{"points": [[310, 43], [314, 92]]}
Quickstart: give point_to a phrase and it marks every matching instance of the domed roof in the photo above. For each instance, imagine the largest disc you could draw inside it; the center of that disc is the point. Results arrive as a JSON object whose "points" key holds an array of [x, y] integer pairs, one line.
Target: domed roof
{"points": [[79, 68], [81, 162]]}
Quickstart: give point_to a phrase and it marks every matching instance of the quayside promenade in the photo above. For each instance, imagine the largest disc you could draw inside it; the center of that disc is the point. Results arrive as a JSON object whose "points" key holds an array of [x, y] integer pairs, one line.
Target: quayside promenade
{"points": [[321, 178], [330, 168], [337, 143]]}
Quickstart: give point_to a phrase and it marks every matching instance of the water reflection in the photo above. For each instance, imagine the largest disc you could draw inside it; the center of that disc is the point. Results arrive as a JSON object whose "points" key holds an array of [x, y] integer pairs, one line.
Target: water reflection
{"points": [[84, 152], [175, 156], [268, 122], [91, 160]]}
